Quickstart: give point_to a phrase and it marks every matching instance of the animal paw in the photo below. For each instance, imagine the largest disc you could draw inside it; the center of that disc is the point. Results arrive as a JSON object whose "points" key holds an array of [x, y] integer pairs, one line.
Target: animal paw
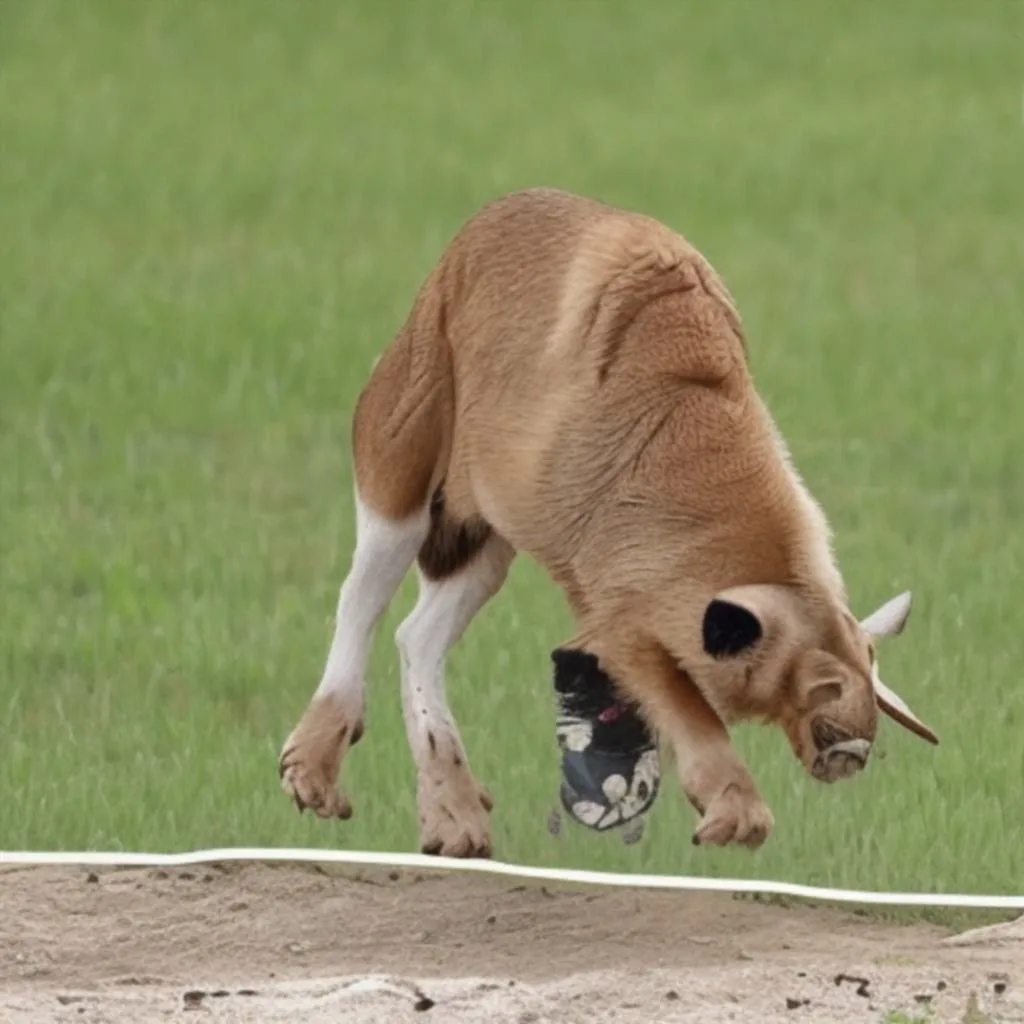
{"points": [[312, 755], [736, 815], [454, 816]]}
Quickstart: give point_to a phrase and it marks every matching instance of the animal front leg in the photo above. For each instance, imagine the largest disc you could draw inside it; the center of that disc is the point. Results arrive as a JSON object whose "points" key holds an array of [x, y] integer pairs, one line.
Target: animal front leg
{"points": [[711, 772]]}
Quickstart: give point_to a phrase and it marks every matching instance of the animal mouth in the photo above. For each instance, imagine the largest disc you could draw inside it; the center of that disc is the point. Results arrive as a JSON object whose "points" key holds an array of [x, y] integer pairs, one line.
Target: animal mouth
{"points": [[841, 760]]}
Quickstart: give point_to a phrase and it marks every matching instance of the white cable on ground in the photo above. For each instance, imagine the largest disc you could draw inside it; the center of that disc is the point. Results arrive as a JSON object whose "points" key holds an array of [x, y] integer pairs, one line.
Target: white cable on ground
{"points": [[422, 862]]}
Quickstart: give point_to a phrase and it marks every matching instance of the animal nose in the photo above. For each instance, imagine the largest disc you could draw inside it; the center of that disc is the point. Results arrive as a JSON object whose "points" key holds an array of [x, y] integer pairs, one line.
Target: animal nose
{"points": [[841, 760], [827, 734]]}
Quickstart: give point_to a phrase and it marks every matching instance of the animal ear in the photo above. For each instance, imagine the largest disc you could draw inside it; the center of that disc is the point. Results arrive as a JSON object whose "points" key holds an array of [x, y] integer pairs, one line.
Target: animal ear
{"points": [[740, 617], [729, 629], [890, 619], [731, 625]]}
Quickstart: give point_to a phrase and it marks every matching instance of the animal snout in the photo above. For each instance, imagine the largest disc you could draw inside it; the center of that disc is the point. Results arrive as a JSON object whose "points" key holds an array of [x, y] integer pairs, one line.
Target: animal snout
{"points": [[826, 734], [841, 760]]}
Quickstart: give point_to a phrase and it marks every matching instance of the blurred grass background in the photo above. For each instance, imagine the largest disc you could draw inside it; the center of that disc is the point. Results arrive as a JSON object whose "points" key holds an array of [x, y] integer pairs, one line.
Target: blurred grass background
{"points": [[214, 216]]}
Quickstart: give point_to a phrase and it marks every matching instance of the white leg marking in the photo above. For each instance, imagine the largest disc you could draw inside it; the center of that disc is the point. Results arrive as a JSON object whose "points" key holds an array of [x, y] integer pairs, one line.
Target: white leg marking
{"points": [[312, 754], [453, 808], [384, 553]]}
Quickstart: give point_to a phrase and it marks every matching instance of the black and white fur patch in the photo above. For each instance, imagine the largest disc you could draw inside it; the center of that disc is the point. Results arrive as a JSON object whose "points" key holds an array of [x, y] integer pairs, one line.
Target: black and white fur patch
{"points": [[610, 767]]}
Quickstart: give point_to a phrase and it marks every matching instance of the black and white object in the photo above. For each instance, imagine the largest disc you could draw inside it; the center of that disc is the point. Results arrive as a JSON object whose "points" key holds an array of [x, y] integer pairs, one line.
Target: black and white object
{"points": [[611, 771]]}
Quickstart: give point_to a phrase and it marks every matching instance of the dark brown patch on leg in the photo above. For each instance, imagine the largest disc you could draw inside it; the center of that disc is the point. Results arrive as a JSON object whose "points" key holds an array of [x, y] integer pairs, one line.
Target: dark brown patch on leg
{"points": [[432, 742], [451, 544]]}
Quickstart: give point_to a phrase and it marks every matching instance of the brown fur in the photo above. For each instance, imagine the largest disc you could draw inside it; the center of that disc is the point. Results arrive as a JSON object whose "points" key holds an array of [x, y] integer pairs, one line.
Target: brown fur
{"points": [[573, 379]]}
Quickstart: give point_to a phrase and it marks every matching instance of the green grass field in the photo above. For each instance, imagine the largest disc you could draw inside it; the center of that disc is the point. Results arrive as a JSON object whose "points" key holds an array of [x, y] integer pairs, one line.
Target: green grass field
{"points": [[214, 216]]}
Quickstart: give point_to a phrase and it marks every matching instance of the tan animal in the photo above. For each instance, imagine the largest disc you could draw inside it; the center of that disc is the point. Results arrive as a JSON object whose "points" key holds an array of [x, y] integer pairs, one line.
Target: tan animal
{"points": [[572, 383]]}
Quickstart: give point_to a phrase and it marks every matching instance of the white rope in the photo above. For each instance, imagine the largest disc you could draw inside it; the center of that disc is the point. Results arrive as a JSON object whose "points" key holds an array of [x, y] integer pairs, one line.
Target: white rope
{"points": [[421, 862]]}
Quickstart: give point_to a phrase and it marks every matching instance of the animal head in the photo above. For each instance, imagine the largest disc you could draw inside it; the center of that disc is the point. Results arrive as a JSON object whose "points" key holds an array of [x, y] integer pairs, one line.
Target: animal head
{"points": [[808, 666]]}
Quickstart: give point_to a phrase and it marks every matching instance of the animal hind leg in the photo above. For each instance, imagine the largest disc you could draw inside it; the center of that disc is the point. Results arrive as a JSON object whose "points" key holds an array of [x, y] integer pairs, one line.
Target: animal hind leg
{"points": [[311, 756], [460, 568], [400, 441]]}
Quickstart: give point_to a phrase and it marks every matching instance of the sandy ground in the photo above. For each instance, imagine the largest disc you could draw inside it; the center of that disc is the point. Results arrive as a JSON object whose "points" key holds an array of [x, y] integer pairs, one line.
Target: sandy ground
{"points": [[274, 943]]}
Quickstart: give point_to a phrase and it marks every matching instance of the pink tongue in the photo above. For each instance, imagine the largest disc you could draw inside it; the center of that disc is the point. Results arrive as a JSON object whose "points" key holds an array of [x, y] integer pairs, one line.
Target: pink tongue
{"points": [[610, 714]]}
